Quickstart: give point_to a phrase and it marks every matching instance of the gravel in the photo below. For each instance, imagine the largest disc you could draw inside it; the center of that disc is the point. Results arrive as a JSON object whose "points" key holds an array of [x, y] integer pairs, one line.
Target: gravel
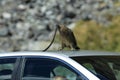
{"points": [[24, 24]]}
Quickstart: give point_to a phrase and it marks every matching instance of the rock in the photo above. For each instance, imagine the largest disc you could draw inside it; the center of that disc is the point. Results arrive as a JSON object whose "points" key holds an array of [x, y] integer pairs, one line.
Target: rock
{"points": [[72, 25], [6, 15], [3, 31], [43, 9], [28, 1], [22, 7], [37, 45], [29, 22], [5, 44], [70, 15]]}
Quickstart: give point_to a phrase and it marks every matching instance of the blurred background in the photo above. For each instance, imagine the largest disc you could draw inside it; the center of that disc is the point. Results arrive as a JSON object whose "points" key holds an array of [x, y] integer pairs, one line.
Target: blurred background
{"points": [[30, 24]]}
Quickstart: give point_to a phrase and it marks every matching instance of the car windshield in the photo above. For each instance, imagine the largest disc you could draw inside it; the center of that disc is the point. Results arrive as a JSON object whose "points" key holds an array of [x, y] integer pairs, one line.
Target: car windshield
{"points": [[104, 67]]}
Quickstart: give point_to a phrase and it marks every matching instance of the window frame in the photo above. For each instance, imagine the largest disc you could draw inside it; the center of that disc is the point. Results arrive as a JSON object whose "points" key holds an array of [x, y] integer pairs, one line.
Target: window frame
{"points": [[13, 75], [79, 74]]}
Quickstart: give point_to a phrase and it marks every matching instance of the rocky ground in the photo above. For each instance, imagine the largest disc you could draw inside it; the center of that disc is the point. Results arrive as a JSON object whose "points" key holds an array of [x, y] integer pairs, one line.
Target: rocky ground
{"points": [[29, 24]]}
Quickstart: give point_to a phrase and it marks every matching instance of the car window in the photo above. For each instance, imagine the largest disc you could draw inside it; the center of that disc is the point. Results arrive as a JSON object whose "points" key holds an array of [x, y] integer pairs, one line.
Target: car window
{"points": [[63, 71], [47, 69], [6, 68], [115, 68], [90, 67], [104, 67]]}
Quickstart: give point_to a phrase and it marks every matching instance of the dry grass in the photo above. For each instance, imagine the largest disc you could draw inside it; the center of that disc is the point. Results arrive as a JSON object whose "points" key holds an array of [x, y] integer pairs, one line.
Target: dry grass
{"points": [[93, 36]]}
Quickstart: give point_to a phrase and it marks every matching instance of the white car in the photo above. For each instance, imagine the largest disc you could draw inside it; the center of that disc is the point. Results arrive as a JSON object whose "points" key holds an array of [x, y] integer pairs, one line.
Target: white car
{"points": [[61, 65]]}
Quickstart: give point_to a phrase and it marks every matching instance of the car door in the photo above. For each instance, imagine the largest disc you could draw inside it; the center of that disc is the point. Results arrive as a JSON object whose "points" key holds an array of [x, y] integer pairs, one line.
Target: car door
{"points": [[48, 68]]}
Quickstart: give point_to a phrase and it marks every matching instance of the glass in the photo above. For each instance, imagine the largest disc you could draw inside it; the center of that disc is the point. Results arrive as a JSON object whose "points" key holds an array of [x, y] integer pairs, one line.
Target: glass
{"points": [[105, 67], [6, 68], [46, 69]]}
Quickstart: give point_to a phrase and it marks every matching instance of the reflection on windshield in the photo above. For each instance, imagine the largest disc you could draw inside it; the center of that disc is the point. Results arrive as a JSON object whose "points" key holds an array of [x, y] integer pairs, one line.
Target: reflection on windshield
{"points": [[106, 68]]}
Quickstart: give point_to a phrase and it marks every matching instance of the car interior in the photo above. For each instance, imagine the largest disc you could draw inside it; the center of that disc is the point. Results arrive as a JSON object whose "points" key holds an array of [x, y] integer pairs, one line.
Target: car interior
{"points": [[104, 67], [44, 69]]}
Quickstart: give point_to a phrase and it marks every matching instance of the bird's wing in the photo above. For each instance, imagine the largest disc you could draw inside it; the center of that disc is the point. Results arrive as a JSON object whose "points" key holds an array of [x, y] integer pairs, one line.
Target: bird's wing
{"points": [[71, 37]]}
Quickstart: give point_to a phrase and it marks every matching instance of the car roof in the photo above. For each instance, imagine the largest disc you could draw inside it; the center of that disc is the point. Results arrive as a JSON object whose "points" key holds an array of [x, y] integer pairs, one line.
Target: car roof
{"points": [[61, 53], [88, 53], [30, 53]]}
